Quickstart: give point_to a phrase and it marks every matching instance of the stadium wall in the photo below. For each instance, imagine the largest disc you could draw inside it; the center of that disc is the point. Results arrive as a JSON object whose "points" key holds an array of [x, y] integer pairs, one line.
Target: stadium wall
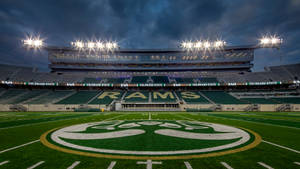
{"points": [[74, 107]]}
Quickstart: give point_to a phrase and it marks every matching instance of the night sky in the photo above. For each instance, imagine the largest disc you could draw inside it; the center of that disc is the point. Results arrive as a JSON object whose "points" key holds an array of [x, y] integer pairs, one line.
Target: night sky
{"points": [[149, 24]]}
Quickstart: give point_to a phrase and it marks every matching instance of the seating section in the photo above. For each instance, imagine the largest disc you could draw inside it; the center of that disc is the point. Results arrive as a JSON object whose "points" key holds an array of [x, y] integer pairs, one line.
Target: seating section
{"points": [[9, 95], [115, 80], [136, 96], [163, 97], [184, 80], [259, 101], [221, 97], [91, 80], [139, 79], [29, 95], [208, 80], [80, 97], [107, 97], [160, 79], [192, 97], [288, 100], [50, 97]]}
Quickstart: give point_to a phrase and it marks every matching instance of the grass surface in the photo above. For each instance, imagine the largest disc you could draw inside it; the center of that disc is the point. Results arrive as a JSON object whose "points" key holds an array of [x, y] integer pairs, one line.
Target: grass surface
{"points": [[17, 128]]}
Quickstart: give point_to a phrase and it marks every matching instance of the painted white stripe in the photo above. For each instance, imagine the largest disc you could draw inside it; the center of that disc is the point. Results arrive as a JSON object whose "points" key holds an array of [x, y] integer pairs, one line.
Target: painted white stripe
{"points": [[297, 163], [226, 165], [290, 149], [188, 165], [58, 120], [4, 162], [265, 165], [277, 125], [36, 165], [74, 165], [3, 151], [112, 164]]}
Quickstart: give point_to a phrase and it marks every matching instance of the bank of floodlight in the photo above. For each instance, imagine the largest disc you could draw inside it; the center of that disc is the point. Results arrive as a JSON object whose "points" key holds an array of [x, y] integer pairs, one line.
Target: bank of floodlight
{"points": [[202, 45], [270, 41], [98, 45], [33, 42]]}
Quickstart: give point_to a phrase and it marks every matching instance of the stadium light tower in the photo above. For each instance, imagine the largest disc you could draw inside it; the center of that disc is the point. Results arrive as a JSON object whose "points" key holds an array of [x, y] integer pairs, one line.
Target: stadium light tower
{"points": [[270, 41], [33, 42]]}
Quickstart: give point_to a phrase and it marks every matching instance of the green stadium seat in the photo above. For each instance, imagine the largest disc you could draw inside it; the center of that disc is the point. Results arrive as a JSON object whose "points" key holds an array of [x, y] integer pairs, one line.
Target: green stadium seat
{"points": [[192, 97], [258, 100], [107, 97], [50, 97], [137, 96], [139, 79], [221, 97], [163, 96], [287, 100], [80, 97], [160, 79]]}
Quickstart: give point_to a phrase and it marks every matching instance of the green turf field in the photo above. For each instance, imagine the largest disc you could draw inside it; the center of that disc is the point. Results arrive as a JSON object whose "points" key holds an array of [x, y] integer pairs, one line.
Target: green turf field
{"points": [[21, 147]]}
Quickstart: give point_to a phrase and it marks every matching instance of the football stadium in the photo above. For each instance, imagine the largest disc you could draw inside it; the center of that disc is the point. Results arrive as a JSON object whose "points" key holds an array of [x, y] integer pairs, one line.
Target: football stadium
{"points": [[115, 84], [197, 106]]}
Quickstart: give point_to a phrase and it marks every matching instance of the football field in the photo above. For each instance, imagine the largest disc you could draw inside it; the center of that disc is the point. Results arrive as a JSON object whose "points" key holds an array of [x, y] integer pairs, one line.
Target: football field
{"points": [[146, 140]]}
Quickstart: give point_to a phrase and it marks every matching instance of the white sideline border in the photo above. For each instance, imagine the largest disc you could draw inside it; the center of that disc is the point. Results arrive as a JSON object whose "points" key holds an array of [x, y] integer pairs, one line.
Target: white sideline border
{"points": [[277, 145], [36, 165], [74, 165], [19, 146], [226, 165], [265, 165], [4, 162], [31, 142]]}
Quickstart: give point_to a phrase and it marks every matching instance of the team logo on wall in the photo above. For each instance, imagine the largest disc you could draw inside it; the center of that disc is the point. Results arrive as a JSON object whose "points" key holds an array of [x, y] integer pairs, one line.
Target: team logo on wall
{"points": [[150, 139]]}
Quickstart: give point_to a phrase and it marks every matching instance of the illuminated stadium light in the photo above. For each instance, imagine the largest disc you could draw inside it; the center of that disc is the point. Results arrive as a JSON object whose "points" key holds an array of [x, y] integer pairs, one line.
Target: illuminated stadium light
{"points": [[102, 46], [34, 43], [202, 45], [267, 41], [206, 45], [198, 45], [91, 45], [219, 44]]}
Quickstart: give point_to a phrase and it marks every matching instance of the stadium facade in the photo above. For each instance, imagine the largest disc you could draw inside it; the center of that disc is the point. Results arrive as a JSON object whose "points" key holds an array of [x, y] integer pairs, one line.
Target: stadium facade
{"points": [[217, 79]]}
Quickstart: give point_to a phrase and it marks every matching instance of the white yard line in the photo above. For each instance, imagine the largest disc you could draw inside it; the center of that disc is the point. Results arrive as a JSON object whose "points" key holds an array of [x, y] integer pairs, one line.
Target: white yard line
{"points": [[111, 165], [149, 116], [297, 163], [74, 165], [36, 165], [265, 165], [290, 149], [54, 121], [245, 121], [4, 162], [188, 165], [13, 148], [226, 165], [3, 151]]}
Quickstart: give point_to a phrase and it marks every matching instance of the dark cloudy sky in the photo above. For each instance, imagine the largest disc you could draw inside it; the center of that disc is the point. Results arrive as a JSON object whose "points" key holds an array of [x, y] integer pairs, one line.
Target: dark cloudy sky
{"points": [[149, 24]]}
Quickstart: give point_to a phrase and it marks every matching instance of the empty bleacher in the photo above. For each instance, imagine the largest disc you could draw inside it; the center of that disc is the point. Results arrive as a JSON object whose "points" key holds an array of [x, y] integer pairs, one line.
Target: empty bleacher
{"points": [[221, 97], [184, 80], [163, 96], [80, 97], [107, 98], [160, 79], [192, 97], [287, 100], [50, 97], [139, 79], [136, 96], [259, 101]]}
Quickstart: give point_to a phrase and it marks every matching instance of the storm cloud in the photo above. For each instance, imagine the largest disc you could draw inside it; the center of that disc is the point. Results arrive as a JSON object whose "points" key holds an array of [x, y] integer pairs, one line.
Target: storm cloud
{"points": [[149, 24]]}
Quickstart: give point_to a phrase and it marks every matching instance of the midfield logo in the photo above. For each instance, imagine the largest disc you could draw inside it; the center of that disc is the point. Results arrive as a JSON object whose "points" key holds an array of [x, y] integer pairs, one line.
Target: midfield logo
{"points": [[151, 139]]}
